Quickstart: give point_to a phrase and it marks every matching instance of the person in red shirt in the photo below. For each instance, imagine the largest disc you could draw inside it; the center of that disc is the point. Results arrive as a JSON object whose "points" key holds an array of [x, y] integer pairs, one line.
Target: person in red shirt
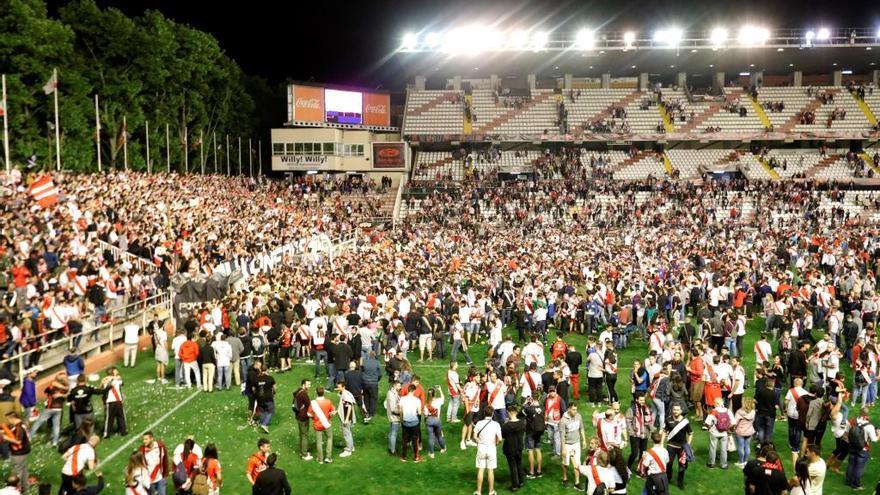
{"points": [[695, 369], [558, 349], [189, 357], [321, 410], [257, 461]]}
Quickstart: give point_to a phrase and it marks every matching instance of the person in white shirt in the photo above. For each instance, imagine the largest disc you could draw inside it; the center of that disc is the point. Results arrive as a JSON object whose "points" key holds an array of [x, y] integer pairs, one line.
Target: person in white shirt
{"points": [[488, 433], [77, 459], [816, 469], [598, 474], [223, 356], [131, 336], [160, 342], [718, 428], [453, 384], [653, 466], [533, 352]]}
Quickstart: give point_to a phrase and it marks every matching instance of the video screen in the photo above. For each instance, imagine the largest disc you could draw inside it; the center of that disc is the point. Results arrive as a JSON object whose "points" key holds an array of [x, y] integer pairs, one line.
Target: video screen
{"points": [[343, 107]]}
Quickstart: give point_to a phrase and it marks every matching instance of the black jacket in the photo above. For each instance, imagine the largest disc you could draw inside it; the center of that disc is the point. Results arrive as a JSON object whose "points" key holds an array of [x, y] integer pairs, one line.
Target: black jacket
{"points": [[272, 481]]}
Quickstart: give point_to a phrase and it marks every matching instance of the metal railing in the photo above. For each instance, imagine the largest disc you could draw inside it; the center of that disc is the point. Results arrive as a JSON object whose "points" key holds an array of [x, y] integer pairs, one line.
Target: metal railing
{"points": [[141, 264], [96, 339]]}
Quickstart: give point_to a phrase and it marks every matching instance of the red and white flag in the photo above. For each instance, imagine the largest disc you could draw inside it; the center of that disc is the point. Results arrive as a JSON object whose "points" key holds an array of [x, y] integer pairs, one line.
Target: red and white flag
{"points": [[44, 192], [2, 108], [52, 84]]}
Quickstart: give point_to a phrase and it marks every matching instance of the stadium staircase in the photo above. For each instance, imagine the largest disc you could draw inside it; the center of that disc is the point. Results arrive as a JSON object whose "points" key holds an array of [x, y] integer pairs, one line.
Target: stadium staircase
{"points": [[821, 165], [468, 124], [872, 119], [764, 163], [759, 111], [870, 162], [667, 122], [514, 112], [667, 164]]}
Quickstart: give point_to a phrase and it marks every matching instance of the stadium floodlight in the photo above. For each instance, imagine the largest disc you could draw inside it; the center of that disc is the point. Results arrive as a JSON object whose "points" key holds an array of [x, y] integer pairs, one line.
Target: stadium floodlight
{"points": [[519, 39], [629, 38], [539, 40], [718, 36], [670, 37], [584, 39], [753, 35], [433, 40], [878, 33], [410, 41], [823, 34], [483, 39], [455, 41]]}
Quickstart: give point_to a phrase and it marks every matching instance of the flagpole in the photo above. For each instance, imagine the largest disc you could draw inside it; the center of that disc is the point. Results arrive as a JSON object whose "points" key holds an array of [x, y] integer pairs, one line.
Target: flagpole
{"points": [[259, 157], [185, 150], [125, 143], [98, 133], [228, 169], [202, 150], [57, 128], [239, 155], [6, 129], [168, 148], [149, 163], [250, 157], [214, 147]]}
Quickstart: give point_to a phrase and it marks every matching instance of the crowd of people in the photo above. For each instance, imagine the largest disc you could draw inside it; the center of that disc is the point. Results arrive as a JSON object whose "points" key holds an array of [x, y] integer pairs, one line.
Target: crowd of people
{"points": [[679, 268]]}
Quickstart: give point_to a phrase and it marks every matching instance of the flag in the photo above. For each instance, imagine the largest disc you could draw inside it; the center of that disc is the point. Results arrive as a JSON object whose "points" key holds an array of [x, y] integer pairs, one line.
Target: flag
{"points": [[123, 135], [2, 108], [44, 192], [52, 84]]}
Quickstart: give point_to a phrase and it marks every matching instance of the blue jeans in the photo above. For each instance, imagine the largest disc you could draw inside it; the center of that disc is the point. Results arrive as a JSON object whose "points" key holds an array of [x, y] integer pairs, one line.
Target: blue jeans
{"points": [[319, 355], [553, 435], [764, 428], [659, 410], [743, 448], [267, 410], [158, 488], [244, 364], [53, 415], [856, 467], [452, 408], [331, 376], [435, 434], [223, 376], [392, 436], [178, 372], [730, 343]]}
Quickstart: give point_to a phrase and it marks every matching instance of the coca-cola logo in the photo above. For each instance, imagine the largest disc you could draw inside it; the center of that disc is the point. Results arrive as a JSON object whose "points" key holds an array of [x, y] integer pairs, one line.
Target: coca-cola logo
{"points": [[308, 103], [389, 153], [375, 109]]}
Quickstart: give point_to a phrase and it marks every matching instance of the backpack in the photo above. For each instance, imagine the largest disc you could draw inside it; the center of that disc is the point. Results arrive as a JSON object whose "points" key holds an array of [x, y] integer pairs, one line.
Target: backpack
{"points": [[856, 437], [179, 477], [200, 482], [536, 422], [722, 421]]}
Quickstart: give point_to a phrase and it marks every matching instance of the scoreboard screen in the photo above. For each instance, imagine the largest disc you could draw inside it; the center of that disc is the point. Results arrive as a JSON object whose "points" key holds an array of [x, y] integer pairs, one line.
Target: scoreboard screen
{"points": [[343, 107]]}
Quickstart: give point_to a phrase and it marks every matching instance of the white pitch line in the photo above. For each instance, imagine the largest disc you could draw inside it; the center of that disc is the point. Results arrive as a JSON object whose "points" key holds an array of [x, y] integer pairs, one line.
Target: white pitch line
{"points": [[155, 424]]}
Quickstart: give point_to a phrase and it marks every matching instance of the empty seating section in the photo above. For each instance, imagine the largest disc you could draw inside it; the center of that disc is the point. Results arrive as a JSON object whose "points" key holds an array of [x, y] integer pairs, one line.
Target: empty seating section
{"points": [[642, 113], [586, 106], [434, 112], [515, 115], [689, 162], [729, 120], [646, 165]]}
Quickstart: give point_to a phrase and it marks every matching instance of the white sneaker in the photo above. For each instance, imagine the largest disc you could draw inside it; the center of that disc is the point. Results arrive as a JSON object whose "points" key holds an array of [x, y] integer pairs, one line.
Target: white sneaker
{"points": [[462, 445], [431, 456], [345, 453], [471, 443], [307, 457]]}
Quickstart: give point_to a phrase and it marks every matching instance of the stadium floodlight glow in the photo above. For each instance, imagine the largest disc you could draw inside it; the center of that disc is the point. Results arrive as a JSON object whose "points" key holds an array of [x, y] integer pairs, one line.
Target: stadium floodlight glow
{"points": [[454, 41], [518, 39], [539, 40], [410, 41], [878, 33], [718, 36], [823, 34], [433, 40], [483, 39], [584, 39], [753, 35], [629, 38], [670, 37]]}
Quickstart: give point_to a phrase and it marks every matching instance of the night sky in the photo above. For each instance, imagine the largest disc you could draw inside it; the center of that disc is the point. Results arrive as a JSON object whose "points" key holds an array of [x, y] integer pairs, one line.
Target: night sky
{"points": [[351, 42]]}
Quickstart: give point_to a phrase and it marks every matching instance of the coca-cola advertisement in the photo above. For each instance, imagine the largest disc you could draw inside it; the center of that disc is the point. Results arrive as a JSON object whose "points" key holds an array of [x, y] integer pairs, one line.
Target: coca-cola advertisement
{"points": [[308, 104], [389, 155], [377, 109]]}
